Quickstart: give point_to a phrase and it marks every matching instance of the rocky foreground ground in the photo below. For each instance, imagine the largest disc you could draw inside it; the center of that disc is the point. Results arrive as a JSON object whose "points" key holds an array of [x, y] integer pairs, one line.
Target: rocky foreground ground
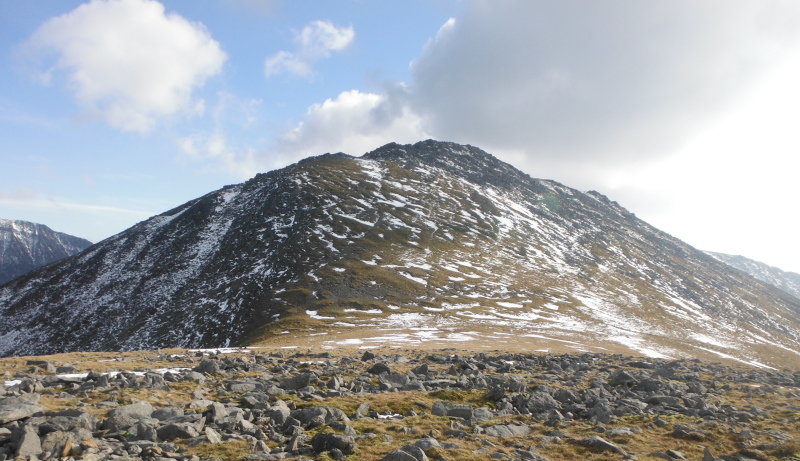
{"points": [[395, 406]]}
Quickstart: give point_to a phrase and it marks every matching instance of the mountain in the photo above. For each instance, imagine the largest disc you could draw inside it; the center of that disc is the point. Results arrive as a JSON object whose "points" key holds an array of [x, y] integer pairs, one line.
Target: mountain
{"points": [[786, 281], [25, 246], [407, 244]]}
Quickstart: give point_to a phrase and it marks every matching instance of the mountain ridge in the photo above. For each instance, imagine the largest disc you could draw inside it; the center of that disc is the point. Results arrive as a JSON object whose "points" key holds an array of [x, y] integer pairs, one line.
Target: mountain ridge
{"points": [[25, 246], [431, 240], [779, 278]]}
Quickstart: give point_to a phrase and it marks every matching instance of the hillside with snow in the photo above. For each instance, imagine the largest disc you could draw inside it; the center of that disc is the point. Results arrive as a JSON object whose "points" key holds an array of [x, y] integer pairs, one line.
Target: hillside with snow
{"points": [[409, 243]]}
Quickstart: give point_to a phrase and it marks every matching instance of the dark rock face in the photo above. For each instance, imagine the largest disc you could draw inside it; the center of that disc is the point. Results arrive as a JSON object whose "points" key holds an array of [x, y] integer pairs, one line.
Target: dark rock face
{"points": [[25, 246], [380, 235]]}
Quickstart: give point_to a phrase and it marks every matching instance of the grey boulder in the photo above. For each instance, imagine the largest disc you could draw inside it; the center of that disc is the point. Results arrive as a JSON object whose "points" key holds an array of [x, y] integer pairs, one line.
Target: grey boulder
{"points": [[16, 408]]}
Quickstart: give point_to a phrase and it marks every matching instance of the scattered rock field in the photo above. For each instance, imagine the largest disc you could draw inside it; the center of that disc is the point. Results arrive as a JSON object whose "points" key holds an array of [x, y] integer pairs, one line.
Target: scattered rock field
{"points": [[394, 405]]}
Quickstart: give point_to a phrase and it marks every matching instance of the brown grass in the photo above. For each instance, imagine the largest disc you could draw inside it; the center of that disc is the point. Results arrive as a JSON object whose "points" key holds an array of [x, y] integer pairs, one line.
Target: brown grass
{"points": [[724, 438]]}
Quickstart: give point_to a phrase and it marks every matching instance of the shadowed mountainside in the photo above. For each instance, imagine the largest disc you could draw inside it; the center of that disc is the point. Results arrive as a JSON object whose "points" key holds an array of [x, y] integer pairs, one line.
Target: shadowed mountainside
{"points": [[25, 246]]}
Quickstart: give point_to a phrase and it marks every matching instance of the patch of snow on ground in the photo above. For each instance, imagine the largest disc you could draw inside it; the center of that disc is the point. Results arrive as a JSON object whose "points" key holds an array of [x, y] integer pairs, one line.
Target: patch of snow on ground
{"points": [[315, 315], [349, 342], [634, 343], [712, 341], [360, 221], [728, 356], [424, 266], [409, 320], [222, 350], [510, 305], [414, 279], [524, 316], [368, 311]]}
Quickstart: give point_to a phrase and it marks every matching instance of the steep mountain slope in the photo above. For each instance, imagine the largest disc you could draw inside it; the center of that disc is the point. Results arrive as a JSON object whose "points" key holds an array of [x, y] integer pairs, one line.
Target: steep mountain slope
{"points": [[25, 246], [786, 281], [407, 243]]}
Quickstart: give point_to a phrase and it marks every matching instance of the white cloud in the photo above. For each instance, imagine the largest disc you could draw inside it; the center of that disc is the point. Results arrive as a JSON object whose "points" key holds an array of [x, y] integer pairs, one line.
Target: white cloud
{"points": [[731, 187], [129, 62], [315, 42], [354, 123], [616, 81]]}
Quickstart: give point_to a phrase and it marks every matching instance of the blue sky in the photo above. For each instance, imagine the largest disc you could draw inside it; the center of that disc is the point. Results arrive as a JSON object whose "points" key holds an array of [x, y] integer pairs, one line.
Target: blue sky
{"points": [[684, 112]]}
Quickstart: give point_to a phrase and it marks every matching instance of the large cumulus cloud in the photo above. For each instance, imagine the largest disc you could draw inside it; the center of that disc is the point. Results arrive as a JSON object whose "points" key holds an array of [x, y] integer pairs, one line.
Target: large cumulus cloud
{"points": [[549, 84], [128, 61], [618, 79]]}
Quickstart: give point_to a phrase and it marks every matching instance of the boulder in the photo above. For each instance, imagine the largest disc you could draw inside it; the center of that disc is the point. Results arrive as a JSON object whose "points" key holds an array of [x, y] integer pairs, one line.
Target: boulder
{"points": [[367, 356], [177, 431], [163, 414], [279, 413], [328, 441], [208, 366], [17, 408], [193, 376], [29, 444], [416, 452], [319, 415], [126, 416], [398, 455], [427, 443], [507, 430], [600, 443], [379, 368], [144, 431], [298, 382], [212, 436], [456, 410], [481, 414]]}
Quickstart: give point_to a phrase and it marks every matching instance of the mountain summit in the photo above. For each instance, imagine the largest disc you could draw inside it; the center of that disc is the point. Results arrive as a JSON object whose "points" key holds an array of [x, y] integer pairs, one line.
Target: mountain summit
{"points": [[409, 243]]}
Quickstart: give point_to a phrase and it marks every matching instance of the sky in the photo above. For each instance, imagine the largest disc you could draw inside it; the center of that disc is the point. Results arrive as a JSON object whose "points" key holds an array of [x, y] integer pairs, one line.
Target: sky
{"points": [[686, 113]]}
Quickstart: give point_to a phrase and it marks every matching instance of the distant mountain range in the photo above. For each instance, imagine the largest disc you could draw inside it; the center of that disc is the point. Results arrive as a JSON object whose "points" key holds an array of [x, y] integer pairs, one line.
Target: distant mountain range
{"points": [[786, 281], [25, 246], [406, 243]]}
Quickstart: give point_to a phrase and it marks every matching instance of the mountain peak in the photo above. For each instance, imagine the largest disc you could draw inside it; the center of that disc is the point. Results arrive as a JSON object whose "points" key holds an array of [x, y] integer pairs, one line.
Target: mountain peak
{"points": [[471, 162], [429, 240], [25, 246]]}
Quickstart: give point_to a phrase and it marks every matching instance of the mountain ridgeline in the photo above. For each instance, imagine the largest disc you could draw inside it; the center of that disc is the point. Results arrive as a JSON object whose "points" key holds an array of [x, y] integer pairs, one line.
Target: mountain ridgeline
{"points": [[25, 246], [786, 281], [433, 237]]}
